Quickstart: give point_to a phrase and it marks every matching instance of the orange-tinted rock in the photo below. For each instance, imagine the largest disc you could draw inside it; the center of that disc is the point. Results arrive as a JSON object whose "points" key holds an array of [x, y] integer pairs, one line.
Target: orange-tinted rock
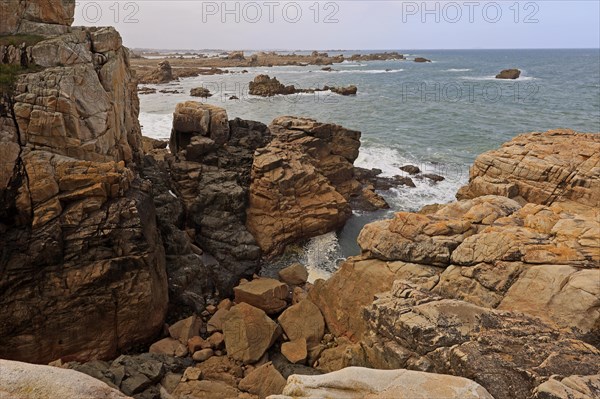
{"points": [[542, 168], [267, 294], [248, 333]]}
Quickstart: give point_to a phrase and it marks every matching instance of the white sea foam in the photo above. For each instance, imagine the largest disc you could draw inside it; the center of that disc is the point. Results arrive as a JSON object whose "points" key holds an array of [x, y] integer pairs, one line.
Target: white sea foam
{"points": [[369, 71], [157, 126], [386, 159], [426, 192], [457, 70], [321, 256]]}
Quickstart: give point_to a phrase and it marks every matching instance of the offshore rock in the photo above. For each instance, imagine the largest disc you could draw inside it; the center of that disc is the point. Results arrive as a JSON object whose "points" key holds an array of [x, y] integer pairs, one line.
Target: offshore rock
{"points": [[302, 182]]}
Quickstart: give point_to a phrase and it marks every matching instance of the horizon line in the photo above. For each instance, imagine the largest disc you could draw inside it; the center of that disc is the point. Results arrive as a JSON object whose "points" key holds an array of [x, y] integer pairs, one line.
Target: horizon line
{"points": [[370, 49]]}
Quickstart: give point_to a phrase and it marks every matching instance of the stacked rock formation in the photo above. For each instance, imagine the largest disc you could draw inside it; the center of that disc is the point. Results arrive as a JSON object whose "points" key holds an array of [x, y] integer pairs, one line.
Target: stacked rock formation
{"points": [[209, 174], [80, 248], [303, 182], [502, 291]]}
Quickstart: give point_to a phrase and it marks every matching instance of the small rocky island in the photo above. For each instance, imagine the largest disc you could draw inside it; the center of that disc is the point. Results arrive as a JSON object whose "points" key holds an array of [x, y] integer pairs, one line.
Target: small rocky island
{"points": [[131, 270], [509, 74], [265, 86]]}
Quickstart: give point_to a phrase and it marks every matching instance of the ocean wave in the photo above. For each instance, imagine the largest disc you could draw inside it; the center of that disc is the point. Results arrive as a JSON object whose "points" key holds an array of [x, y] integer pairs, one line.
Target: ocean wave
{"points": [[457, 70], [413, 198], [386, 159], [369, 71], [157, 126], [321, 256], [316, 93]]}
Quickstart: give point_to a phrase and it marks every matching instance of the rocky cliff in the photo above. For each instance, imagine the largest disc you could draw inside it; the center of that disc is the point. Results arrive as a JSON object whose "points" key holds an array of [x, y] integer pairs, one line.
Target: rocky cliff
{"points": [[42, 17], [304, 183], [504, 291], [82, 265]]}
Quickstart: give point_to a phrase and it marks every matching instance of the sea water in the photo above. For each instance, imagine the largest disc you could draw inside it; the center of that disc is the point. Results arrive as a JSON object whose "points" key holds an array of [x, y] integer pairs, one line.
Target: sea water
{"points": [[438, 116]]}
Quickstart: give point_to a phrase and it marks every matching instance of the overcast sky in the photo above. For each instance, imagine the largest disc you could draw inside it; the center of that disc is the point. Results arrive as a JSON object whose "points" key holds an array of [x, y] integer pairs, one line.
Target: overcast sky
{"points": [[349, 24]]}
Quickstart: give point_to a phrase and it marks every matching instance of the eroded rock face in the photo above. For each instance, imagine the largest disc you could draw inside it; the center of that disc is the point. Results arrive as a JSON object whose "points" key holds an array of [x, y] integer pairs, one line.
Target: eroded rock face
{"points": [[84, 104], [302, 182], [535, 247], [42, 17], [491, 346], [574, 386], [501, 290], [543, 168], [208, 175], [83, 263], [90, 236], [359, 383], [354, 286]]}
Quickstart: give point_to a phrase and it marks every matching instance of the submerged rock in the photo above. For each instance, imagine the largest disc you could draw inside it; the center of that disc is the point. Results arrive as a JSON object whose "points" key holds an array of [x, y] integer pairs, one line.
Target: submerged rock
{"points": [[411, 169], [344, 90], [200, 92]]}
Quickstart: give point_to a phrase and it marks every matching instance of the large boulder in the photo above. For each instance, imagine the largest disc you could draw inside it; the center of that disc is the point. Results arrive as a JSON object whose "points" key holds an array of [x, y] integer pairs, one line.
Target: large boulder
{"points": [[267, 294], [192, 118], [303, 321], [355, 285], [295, 274], [574, 386], [359, 383], [248, 333], [24, 380], [263, 381]]}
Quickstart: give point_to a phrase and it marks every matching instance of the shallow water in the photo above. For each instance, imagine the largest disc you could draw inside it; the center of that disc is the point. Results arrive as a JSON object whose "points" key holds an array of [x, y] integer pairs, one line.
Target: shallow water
{"points": [[438, 116]]}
